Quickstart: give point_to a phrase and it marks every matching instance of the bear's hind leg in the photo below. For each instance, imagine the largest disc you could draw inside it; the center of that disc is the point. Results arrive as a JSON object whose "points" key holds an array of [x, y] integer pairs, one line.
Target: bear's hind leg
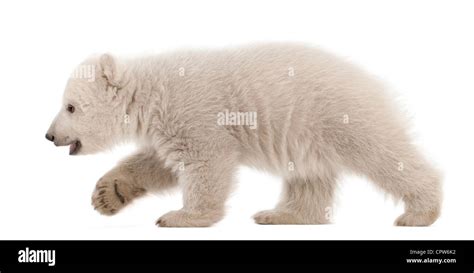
{"points": [[422, 197], [304, 201], [401, 171]]}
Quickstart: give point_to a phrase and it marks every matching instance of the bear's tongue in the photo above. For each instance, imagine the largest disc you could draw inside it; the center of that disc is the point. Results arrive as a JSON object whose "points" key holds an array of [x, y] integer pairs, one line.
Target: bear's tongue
{"points": [[74, 147]]}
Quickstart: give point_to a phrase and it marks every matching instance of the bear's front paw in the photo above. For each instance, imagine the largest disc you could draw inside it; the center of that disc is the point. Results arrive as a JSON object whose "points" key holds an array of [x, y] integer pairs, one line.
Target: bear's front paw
{"points": [[274, 217], [111, 194], [183, 218], [278, 217]]}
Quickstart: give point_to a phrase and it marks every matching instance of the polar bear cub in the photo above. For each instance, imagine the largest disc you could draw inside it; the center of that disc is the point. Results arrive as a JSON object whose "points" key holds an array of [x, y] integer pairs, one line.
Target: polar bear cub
{"points": [[292, 110]]}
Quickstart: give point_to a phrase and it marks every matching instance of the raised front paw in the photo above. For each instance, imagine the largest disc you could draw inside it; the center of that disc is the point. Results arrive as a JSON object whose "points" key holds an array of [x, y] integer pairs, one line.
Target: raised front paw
{"points": [[113, 193]]}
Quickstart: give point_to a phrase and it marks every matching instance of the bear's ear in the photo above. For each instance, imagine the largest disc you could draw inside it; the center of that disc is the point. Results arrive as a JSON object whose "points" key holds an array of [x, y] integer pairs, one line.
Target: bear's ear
{"points": [[109, 69]]}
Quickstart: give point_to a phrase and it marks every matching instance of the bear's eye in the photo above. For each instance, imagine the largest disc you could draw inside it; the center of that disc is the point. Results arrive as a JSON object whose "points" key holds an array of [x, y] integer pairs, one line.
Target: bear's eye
{"points": [[70, 108]]}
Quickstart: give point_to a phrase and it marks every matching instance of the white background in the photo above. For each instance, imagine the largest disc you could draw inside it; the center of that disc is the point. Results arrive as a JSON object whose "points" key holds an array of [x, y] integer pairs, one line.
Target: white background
{"points": [[423, 49]]}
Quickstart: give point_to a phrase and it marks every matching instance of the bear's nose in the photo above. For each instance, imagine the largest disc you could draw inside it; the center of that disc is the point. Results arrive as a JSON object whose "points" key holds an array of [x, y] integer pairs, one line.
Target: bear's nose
{"points": [[49, 137]]}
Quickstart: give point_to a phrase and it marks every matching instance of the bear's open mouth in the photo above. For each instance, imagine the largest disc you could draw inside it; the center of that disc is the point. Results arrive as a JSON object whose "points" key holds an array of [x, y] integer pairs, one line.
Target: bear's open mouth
{"points": [[74, 147]]}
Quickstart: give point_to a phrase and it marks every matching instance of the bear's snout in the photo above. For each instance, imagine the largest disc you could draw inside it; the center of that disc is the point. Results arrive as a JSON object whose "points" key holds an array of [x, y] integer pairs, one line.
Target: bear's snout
{"points": [[49, 137]]}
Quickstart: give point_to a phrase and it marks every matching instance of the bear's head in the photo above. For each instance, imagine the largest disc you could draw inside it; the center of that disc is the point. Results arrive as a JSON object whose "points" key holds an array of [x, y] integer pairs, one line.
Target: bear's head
{"points": [[92, 113]]}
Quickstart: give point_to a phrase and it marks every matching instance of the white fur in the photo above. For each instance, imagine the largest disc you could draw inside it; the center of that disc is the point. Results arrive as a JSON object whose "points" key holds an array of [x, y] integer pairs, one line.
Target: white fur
{"points": [[316, 117]]}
